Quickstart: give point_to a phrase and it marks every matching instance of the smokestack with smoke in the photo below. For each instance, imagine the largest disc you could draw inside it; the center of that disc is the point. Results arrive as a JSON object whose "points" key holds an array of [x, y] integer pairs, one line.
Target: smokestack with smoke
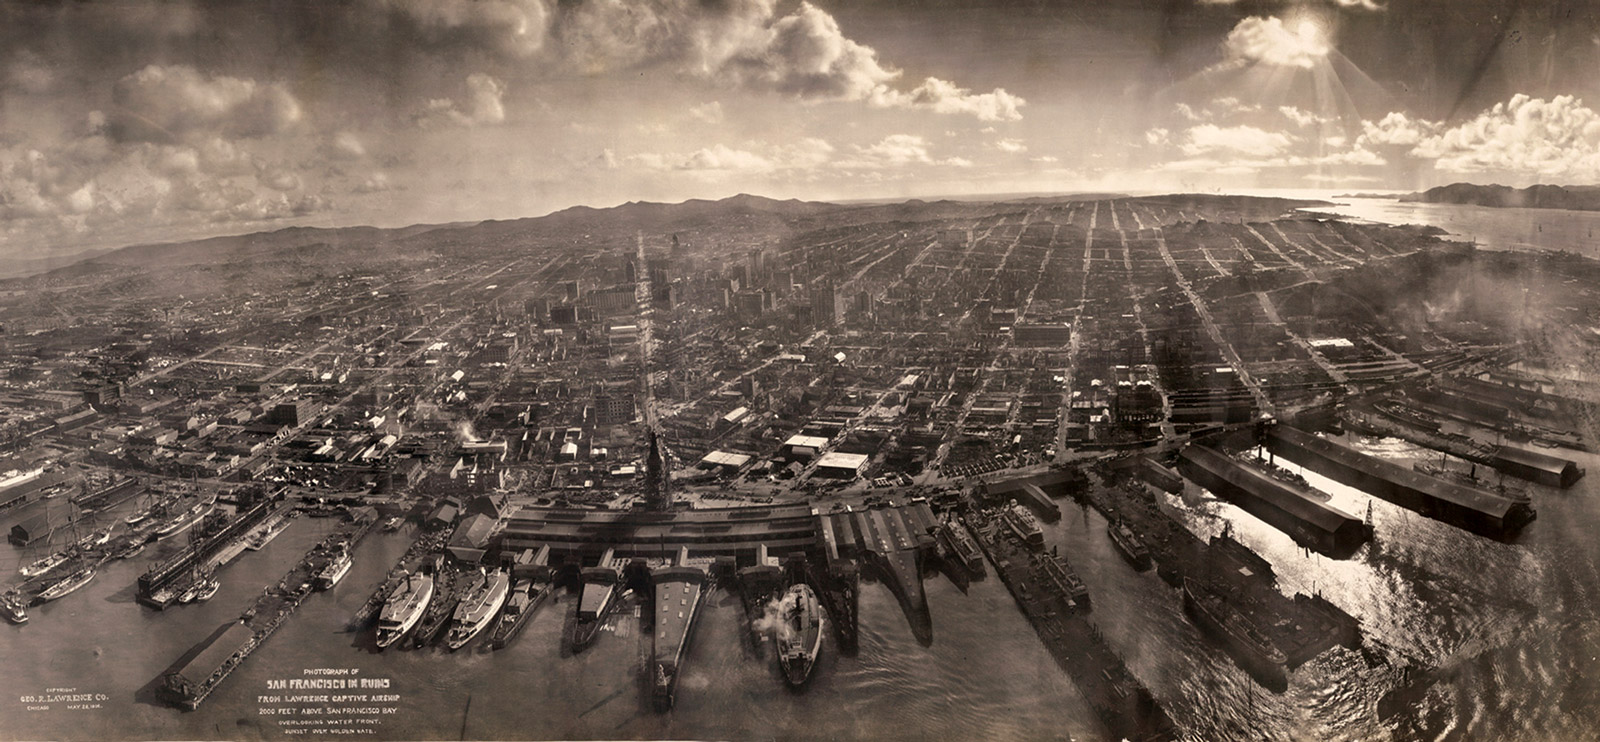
{"points": [[464, 432], [774, 616]]}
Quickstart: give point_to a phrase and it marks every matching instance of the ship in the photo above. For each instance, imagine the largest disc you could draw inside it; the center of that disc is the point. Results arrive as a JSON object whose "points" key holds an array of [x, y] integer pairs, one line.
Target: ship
{"points": [[601, 585], [185, 520], [66, 585], [404, 608], [478, 608], [208, 589], [11, 606], [445, 595], [1129, 545], [1439, 471], [266, 533], [393, 524], [526, 597], [1404, 415], [1025, 524], [679, 590], [1068, 587], [799, 634], [133, 548], [98, 538], [46, 564], [960, 545], [335, 571], [1244, 640]]}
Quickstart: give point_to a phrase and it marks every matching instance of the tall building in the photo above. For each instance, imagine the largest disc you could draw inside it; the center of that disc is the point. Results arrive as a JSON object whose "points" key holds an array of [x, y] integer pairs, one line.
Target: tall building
{"points": [[825, 305], [658, 474]]}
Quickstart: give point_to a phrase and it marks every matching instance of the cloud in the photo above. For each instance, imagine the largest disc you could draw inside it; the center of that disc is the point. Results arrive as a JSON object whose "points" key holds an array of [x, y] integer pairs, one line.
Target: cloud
{"points": [[374, 183], [746, 44], [1257, 40], [514, 28], [1013, 146], [710, 113], [1396, 129], [895, 151], [1157, 136], [806, 154], [172, 103], [484, 105], [1362, 4], [1247, 140], [1526, 136], [1299, 117], [28, 73], [344, 145], [941, 96]]}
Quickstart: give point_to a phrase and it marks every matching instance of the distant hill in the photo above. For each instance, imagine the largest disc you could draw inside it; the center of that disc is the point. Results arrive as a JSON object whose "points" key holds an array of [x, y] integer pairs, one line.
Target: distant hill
{"points": [[1573, 198], [18, 267]]}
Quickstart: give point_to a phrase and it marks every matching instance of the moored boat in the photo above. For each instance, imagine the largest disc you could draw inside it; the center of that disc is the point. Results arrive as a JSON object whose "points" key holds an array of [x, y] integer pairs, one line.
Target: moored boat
{"points": [[46, 564], [678, 592], [1025, 524], [526, 597], [601, 585], [1129, 545], [478, 607], [404, 608], [1253, 649], [334, 571], [66, 585]]}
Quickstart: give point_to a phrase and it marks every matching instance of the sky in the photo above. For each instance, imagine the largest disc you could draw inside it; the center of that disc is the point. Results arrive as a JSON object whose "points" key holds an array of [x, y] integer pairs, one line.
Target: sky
{"points": [[132, 121]]}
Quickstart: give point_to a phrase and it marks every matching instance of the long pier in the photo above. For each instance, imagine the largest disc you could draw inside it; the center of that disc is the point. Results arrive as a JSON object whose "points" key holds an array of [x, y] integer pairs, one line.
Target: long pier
{"points": [[190, 681], [196, 555], [1123, 704]]}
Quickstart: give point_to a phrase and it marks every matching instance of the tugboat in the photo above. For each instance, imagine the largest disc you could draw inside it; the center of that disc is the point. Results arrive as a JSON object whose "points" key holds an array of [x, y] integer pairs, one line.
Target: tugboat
{"points": [[404, 608], [601, 585], [478, 608], [679, 590], [526, 597], [1129, 545], [799, 634], [1244, 640], [11, 606]]}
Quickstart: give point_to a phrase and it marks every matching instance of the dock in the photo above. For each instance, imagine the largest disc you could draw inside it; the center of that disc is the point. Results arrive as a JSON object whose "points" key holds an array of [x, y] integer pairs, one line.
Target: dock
{"points": [[188, 682], [202, 554], [1287, 506], [1472, 509], [1124, 705]]}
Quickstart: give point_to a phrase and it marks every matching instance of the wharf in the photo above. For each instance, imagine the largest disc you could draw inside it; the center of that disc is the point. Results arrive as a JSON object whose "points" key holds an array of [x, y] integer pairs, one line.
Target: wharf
{"points": [[1301, 627], [425, 544], [191, 680], [1124, 705], [201, 554], [1473, 509]]}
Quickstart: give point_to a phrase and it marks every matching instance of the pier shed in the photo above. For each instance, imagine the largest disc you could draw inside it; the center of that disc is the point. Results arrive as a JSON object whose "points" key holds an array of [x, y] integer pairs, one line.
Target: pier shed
{"points": [[1534, 466]]}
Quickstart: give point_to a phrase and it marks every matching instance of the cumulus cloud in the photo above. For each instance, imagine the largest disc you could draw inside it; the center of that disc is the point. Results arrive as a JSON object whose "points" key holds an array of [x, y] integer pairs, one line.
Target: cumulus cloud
{"points": [[1299, 117], [483, 105], [1361, 4], [1527, 136], [374, 183], [942, 96], [745, 43], [710, 113], [515, 28], [1258, 40], [895, 151], [1396, 129], [173, 103], [1013, 146], [1247, 140]]}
